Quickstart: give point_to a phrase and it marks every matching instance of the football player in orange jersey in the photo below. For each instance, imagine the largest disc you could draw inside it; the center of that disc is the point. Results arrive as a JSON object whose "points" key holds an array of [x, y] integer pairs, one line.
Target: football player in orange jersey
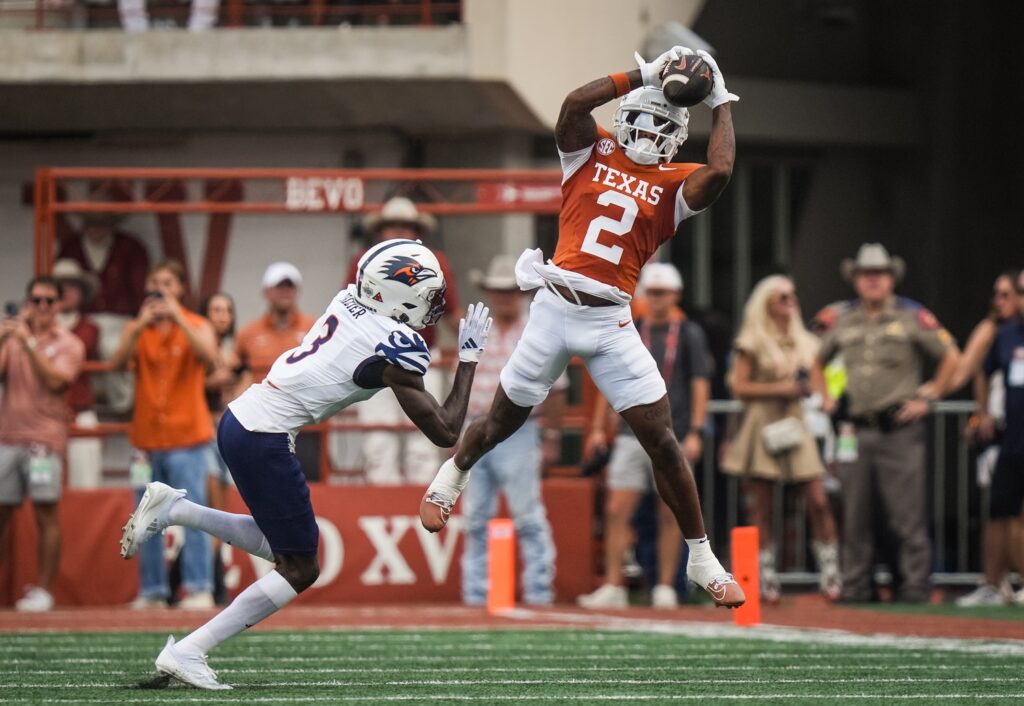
{"points": [[622, 197]]}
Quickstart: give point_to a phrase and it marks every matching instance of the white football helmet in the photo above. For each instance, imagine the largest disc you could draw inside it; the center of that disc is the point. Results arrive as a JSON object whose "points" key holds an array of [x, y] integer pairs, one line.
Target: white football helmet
{"points": [[402, 279], [648, 127]]}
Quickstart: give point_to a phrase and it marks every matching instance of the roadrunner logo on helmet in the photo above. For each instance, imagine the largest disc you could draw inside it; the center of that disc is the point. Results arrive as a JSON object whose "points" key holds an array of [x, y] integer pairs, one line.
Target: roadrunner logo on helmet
{"points": [[649, 128], [402, 279]]}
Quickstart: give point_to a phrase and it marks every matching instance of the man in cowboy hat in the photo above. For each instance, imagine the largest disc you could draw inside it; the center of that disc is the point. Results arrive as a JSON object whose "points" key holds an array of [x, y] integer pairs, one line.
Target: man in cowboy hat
{"points": [[514, 466], [883, 340], [79, 287], [383, 460]]}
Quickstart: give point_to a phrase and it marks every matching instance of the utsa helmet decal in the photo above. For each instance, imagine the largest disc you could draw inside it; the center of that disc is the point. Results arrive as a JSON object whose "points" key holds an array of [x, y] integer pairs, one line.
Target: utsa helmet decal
{"points": [[402, 279], [404, 269]]}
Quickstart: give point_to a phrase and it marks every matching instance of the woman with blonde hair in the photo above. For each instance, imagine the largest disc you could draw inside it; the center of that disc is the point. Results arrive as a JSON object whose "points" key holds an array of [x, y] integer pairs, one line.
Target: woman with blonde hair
{"points": [[769, 374]]}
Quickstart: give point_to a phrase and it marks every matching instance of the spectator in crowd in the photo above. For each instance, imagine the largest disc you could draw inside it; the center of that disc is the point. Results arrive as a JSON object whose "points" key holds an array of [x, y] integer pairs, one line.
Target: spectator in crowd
{"points": [[38, 362], [382, 450], [222, 386], [171, 350], [135, 18], [85, 455], [513, 467], [280, 329], [770, 374], [680, 349], [994, 351], [120, 263], [883, 340]]}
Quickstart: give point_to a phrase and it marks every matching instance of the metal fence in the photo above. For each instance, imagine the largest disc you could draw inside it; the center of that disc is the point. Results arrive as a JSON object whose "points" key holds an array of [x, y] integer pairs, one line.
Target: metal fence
{"points": [[958, 508]]}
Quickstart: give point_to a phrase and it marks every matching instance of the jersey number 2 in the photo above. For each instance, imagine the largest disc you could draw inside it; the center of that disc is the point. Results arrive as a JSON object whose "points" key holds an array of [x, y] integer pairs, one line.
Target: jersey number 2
{"points": [[331, 323], [611, 253]]}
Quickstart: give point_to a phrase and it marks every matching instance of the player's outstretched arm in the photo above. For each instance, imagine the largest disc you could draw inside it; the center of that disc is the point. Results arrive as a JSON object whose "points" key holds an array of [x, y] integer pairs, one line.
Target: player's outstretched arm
{"points": [[703, 187], [442, 423], [576, 128], [439, 423]]}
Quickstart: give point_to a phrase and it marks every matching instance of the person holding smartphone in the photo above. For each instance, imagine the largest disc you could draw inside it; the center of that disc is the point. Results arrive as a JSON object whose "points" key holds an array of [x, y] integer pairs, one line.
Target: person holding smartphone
{"points": [[171, 350], [38, 362]]}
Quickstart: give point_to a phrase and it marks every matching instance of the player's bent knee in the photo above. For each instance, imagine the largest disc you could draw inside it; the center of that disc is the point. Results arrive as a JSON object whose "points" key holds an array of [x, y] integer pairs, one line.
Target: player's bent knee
{"points": [[665, 454], [300, 571]]}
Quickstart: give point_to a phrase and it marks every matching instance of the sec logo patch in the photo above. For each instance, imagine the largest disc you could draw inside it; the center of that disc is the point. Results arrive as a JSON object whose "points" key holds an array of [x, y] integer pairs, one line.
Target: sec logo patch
{"points": [[605, 146]]}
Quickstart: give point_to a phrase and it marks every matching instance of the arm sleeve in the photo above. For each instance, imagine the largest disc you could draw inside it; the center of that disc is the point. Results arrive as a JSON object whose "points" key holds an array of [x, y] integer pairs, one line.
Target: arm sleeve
{"points": [[68, 361], [573, 161], [930, 336], [683, 210], [407, 350], [829, 347]]}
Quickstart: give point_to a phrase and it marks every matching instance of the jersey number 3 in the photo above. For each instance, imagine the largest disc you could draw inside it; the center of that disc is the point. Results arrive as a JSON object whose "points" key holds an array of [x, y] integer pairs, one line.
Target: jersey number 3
{"points": [[620, 227], [331, 324]]}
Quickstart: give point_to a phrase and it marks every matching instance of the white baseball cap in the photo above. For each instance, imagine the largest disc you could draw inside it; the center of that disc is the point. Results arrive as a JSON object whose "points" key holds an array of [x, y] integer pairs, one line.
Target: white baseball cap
{"points": [[278, 272], [660, 275]]}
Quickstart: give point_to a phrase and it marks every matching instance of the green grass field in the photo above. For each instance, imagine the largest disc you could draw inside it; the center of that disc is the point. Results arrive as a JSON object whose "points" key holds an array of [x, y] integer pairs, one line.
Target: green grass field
{"points": [[507, 666]]}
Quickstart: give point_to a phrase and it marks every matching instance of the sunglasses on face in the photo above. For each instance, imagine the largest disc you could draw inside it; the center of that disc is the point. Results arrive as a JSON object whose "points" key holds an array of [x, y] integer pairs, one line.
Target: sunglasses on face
{"points": [[39, 301]]}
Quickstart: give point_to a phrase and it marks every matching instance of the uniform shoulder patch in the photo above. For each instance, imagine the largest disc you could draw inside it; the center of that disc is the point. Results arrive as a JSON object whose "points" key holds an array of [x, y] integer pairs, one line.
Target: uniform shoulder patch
{"points": [[405, 349], [826, 319], [926, 319]]}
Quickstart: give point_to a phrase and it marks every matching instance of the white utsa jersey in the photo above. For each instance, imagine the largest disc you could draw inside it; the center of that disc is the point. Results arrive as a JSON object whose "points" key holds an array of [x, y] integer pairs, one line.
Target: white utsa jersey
{"points": [[338, 363]]}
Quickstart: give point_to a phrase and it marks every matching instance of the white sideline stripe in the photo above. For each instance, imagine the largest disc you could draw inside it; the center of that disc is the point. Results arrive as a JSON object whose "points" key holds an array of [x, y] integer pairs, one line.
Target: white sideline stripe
{"points": [[534, 670], [667, 660], [777, 633], [574, 682], [337, 698]]}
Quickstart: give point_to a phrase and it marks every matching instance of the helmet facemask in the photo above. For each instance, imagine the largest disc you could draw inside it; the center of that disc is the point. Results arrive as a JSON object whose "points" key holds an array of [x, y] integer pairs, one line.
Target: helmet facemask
{"points": [[648, 129]]}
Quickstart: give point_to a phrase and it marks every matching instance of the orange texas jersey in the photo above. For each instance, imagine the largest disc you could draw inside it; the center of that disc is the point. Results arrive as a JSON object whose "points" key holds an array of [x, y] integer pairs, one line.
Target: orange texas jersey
{"points": [[615, 213]]}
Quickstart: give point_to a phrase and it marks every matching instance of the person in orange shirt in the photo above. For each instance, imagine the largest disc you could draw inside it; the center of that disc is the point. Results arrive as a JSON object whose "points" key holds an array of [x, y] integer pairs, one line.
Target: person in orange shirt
{"points": [[262, 341], [171, 350], [622, 197]]}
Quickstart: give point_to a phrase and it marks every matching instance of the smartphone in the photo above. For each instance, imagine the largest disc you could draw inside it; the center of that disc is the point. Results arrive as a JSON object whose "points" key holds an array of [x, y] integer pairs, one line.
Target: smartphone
{"points": [[12, 309], [154, 294]]}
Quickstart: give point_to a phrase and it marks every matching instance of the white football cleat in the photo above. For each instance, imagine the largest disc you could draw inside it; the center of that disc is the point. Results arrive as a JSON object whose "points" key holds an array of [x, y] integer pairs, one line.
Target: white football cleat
{"points": [[606, 596], [188, 669], [149, 518], [664, 597], [983, 596], [36, 600], [719, 583]]}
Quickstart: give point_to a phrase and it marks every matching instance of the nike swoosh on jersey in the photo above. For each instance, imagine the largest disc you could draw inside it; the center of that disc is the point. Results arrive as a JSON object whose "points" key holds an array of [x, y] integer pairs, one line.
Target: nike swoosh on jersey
{"points": [[662, 168], [623, 324]]}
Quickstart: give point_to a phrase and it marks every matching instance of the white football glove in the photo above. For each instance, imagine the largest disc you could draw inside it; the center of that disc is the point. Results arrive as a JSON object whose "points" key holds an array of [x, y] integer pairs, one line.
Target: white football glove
{"points": [[473, 332], [651, 72], [719, 94]]}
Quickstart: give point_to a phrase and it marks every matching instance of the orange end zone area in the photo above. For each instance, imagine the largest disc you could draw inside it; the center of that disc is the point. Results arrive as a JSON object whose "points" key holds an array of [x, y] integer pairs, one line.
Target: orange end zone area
{"points": [[800, 612]]}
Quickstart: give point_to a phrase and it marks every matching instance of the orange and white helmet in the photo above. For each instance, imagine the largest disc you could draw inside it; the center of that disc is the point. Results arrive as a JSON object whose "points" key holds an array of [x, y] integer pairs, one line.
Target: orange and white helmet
{"points": [[402, 279], [648, 127]]}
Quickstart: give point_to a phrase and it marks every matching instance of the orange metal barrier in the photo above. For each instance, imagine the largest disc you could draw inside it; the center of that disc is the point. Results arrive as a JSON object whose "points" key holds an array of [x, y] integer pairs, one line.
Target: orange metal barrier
{"points": [[239, 13]]}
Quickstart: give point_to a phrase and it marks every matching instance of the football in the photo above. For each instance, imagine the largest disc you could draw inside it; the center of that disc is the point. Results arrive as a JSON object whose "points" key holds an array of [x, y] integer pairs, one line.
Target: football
{"points": [[687, 82]]}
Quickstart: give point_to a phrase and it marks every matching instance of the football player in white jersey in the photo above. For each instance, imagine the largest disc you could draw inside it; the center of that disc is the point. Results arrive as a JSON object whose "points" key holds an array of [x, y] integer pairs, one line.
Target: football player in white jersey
{"points": [[364, 342]]}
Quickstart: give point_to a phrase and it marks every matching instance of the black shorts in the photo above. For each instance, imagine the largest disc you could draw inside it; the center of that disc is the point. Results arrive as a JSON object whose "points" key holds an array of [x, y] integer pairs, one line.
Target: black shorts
{"points": [[1007, 492], [270, 481]]}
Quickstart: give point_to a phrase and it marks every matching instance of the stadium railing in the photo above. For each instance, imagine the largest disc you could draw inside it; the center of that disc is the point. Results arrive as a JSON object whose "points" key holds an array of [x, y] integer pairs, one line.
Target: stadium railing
{"points": [[81, 14]]}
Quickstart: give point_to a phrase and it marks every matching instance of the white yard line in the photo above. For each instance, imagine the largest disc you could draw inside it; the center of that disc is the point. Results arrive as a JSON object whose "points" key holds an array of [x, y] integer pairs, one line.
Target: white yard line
{"points": [[776, 633], [342, 698]]}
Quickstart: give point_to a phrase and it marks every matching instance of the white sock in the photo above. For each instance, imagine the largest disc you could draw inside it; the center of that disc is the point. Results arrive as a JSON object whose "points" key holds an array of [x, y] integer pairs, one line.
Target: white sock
{"points": [[237, 530], [700, 549], [256, 603]]}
